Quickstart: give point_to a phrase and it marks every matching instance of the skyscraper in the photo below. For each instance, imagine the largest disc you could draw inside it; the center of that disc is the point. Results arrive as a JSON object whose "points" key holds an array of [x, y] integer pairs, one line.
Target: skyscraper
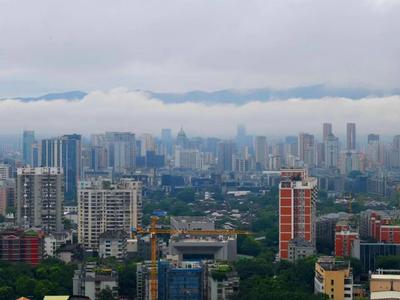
{"points": [[40, 198], [181, 139], [297, 208], [306, 148], [226, 149], [65, 152], [351, 136], [121, 148], [28, 138], [104, 207], [331, 151], [261, 151], [326, 131]]}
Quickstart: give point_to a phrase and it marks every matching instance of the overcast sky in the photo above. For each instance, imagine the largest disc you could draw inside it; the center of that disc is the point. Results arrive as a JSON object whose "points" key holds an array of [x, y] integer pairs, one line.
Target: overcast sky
{"points": [[171, 45]]}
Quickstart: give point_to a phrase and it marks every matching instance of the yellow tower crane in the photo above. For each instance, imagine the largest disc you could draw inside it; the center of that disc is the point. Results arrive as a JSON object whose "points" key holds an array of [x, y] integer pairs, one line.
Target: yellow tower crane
{"points": [[153, 231]]}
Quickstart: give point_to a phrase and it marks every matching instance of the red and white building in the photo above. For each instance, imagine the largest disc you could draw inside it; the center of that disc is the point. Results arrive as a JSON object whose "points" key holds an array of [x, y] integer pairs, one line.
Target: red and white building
{"points": [[297, 208], [344, 237]]}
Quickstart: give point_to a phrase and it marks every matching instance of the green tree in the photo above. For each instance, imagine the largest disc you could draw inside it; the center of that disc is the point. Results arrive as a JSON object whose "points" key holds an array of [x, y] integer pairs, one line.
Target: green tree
{"points": [[6, 293], [25, 286], [249, 246], [106, 294]]}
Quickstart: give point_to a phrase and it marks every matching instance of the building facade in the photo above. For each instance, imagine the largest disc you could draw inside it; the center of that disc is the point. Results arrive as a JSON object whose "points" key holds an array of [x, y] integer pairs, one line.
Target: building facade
{"points": [[40, 198], [297, 208]]}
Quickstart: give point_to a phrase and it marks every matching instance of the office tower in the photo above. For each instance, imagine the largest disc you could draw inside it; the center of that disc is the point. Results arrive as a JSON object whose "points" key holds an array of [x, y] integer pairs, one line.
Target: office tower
{"points": [[297, 208], [121, 150], [395, 153], [72, 164], [28, 138], [64, 152], [351, 136], [333, 278], [40, 198], [319, 154], [326, 131], [226, 149], [4, 171], [166, 139], [306, 148], [331, 151], [181, 139], [261, 151], [103, 206]]}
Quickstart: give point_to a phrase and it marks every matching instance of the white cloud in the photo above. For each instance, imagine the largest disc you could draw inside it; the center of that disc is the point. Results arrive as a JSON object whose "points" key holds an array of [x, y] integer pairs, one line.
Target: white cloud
{"points": [[123, 110], [177, 45]]}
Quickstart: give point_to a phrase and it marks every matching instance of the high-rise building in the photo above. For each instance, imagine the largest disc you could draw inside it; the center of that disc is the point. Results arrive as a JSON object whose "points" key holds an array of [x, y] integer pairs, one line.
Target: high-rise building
{"points": [[181, 139], [72, 164], [326, 131], [260, 146], [351, 136], [333, 278], [331, 151], [226, 149], [103, 206], [147, 143], [40, 198], [65, 152], [187, 158], [28, 138], [306, 148], [297, 208], [121, 150]]}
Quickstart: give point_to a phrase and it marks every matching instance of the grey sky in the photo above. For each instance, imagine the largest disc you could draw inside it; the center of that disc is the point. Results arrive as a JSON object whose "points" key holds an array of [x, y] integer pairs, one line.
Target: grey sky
{"points": [[175, 45]]}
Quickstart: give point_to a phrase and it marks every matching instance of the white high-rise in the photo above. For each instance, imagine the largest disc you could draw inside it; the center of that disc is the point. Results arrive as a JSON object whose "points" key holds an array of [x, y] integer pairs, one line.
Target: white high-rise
{"points": [[103, 206]]}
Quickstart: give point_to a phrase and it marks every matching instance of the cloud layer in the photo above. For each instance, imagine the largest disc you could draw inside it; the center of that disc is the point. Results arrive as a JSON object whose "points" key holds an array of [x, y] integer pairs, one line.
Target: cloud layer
{"points": [[178, 45], [123, 110]]}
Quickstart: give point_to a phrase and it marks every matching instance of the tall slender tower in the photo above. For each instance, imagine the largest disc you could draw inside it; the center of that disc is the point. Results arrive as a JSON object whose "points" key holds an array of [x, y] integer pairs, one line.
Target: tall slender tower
{"points": [[351, 136], [307, 148], [326, 131], [28, 139], [297, 208], [260, 146]]}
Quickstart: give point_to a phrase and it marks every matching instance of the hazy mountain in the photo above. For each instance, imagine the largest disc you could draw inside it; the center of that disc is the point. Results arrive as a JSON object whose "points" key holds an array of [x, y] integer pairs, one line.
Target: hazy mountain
{"points": [[241, 96]]}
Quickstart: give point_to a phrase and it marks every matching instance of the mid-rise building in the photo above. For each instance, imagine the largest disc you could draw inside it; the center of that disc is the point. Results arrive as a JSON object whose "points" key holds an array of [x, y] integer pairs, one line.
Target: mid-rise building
{"points": [[103, 206], [113, 244], [297, 208], [344, 238], [222, 281], [299, 249], [21, 246], [91, 279], [333, 278], [385, 285], [40, 198]]}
